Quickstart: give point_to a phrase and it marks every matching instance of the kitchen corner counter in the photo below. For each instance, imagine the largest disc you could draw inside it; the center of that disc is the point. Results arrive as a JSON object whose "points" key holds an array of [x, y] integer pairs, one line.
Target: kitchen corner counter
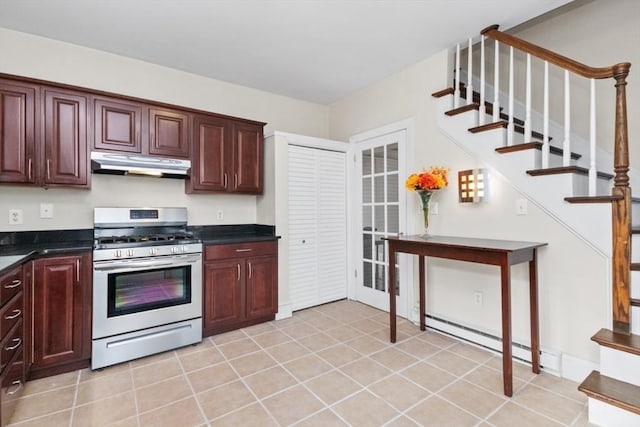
{"points": [[222, 234], [19, 247]]}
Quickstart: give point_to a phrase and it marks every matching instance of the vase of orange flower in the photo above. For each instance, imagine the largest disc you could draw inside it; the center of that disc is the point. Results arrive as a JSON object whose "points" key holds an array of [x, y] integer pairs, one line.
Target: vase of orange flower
{"points": [[425, 184]]}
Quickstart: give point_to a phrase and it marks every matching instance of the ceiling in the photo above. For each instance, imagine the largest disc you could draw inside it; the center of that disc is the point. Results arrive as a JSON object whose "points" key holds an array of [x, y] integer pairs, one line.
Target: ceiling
{"points": [[314, 50]]}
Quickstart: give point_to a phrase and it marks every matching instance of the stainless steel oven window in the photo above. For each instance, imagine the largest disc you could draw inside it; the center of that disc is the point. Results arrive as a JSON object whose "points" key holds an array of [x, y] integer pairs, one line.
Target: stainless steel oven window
{"points": [[137, 291]]}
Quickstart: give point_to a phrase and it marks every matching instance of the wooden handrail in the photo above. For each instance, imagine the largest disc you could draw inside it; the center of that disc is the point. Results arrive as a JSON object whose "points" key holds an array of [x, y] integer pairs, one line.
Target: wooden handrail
{"points": [[561, 61]]}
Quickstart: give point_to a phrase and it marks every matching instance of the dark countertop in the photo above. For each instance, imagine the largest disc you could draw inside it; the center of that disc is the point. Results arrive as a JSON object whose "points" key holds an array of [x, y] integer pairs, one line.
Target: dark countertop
{"points": [[19, 247]]}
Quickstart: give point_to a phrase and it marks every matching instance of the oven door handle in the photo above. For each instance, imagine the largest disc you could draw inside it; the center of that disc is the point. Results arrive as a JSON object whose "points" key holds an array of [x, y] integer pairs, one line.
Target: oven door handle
{"points": [[128, 265]]}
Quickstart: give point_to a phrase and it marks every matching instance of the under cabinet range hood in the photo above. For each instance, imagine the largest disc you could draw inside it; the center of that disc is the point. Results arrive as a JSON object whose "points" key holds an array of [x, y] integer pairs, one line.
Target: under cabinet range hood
{"points": [[137, 164]]}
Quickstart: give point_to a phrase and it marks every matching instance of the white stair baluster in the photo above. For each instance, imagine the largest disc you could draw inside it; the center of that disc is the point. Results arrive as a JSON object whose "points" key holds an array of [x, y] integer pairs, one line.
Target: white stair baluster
{"points": [[511, 100], [456, 83], [470, 72], [592, 141], [566, 144], [527, 120], [496, 83], [483, 109], [545, 132]]}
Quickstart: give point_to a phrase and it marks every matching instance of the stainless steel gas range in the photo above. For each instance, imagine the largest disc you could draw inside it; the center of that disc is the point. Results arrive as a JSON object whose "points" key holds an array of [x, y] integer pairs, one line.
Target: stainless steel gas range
{"points": [[147, 284]]}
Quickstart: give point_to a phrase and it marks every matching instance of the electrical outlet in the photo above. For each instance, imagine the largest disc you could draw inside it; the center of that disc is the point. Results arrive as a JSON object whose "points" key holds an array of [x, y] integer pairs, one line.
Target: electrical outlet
{"points": [[521, 207], [15, 216], [220, 214], [46, 210], [477, 298], [433, 208]]}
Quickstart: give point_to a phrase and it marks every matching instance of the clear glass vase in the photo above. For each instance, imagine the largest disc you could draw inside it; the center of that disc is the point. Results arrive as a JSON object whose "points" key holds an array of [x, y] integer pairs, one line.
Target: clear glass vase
{"points": [[425, 197]]}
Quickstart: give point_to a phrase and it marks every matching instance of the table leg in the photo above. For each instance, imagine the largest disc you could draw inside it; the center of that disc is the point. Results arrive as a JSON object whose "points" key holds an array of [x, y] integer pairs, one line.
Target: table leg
{"points": [[422, 291], [507, 362], [533, 314], [392, 292]]}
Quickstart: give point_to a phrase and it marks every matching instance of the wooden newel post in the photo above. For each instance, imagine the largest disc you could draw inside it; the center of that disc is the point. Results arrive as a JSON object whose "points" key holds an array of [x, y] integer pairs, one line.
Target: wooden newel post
{"points": [[621, 209]]}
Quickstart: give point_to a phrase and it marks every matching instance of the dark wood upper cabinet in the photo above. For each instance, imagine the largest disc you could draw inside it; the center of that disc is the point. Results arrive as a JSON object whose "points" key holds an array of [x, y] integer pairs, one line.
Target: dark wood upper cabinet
{"points": [[247, 158], [227, 156], [17, 132], [169, 133], [127, 126], [66, 160], [117, 125], [211, 138]]}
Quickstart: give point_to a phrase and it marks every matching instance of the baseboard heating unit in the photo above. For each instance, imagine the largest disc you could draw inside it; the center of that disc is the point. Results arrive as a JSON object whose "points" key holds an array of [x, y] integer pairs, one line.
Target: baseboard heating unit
{"points": [[549, 360]]}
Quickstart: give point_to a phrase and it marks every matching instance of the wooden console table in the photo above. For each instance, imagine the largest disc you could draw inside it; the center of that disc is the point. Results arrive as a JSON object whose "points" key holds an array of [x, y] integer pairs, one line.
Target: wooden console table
{"points": [[503, 253]]}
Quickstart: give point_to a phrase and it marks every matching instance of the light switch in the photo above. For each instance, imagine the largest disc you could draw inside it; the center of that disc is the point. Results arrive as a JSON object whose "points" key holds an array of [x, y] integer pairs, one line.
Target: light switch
{"points": [[521, 207]]}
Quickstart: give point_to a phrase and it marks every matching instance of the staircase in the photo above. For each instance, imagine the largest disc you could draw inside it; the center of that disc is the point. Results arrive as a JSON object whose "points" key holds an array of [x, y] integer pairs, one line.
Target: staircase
{"points": [[572, 181]]}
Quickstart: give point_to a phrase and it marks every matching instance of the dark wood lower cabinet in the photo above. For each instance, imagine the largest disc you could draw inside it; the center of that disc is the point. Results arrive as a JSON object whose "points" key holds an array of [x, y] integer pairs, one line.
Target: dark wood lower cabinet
{"points": [[240, 285], [61, 314]]}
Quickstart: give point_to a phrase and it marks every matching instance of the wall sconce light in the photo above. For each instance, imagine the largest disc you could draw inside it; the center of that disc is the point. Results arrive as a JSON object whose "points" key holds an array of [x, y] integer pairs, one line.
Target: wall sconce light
{"points": [[472, 185]]}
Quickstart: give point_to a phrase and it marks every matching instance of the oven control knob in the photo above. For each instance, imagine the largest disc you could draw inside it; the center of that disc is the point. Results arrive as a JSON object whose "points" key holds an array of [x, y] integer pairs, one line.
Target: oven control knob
{"points": [[174, 250], [153, 251], [184, 249], [117, 253], [129, 252]]}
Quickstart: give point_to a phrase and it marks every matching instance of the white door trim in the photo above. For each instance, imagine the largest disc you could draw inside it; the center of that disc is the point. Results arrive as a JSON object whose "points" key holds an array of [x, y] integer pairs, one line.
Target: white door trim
{"points": [[406, 125]]}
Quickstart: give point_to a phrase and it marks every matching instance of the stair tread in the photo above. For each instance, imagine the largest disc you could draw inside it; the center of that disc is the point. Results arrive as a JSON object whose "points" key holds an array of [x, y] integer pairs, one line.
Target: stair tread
{"points": [[503, 124], [535, 145], [443, 92], [463, 109], [566, 169], [614, 392], [635, 302], [623, 342], [592, 199]]}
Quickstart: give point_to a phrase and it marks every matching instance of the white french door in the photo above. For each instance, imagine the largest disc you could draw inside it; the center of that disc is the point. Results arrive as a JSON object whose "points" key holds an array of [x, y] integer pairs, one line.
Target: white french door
{"points": [[379, 211]]}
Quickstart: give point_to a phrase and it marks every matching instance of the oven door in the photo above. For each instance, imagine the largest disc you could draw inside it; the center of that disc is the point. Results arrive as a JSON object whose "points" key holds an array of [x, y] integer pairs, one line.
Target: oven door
{"points": [[130, 295]]}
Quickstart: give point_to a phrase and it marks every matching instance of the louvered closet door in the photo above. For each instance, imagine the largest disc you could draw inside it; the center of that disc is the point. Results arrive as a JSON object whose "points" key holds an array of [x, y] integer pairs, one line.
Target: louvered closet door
{"points": [[317, 226]]}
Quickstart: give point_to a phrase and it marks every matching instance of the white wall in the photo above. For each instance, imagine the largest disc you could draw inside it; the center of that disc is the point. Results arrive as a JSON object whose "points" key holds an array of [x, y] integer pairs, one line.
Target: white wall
{"points": [[572, 276], [46, 59]]}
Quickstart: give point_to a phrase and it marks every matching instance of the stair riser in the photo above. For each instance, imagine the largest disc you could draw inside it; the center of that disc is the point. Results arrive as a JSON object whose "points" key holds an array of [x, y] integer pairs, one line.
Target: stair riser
{"points": [[605, 415], [635, 283], [620, 365]]}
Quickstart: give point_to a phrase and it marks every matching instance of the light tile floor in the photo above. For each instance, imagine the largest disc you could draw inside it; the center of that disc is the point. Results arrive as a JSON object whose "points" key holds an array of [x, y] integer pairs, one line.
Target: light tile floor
{"points": [[330, 365]]}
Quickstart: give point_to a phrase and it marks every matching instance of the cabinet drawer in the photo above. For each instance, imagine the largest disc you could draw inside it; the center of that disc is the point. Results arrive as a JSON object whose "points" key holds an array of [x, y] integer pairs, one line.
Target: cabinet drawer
{"points": [[11, 345], [12, 387], [10, 284], [241, 250], [10, 314]]}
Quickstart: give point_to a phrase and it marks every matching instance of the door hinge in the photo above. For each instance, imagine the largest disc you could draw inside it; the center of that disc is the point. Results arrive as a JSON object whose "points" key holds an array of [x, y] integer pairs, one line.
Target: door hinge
{"points": [[355, 273]]}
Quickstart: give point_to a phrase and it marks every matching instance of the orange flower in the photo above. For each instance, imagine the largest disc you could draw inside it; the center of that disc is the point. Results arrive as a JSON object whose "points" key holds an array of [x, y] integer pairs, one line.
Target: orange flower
{"points": [[434, 178]]}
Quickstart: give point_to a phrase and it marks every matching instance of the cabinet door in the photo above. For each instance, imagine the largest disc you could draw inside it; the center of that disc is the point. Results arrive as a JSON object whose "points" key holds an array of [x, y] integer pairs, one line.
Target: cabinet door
{"points": [[61, 310], [223, 294], [168, 133], [65, 138], [262, 286], [247, 158], [17, 132], [117, 125], [211, 141]]}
